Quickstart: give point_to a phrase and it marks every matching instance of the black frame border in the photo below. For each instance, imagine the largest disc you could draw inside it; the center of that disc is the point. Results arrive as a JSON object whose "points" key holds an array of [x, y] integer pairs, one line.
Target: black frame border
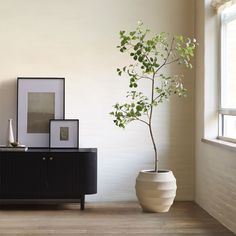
{"points": [[55, 120]]}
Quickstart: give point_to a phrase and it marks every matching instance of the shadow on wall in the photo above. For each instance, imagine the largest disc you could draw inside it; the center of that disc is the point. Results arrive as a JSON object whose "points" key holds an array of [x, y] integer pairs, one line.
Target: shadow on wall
{"points": [[8, 106], [180, 159], [174, 132]]}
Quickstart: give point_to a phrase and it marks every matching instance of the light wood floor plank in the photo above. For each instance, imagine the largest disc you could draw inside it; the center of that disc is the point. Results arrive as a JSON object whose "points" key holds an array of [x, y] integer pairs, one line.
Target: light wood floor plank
{"points": [[184, 218]]}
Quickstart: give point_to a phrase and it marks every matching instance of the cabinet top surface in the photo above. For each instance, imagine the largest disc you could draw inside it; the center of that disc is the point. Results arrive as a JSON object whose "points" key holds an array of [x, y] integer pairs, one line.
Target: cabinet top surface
{"points": [[54, 150]]}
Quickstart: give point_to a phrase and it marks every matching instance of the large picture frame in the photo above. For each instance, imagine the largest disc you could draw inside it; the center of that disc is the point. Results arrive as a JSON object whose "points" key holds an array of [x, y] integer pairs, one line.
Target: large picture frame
{"points": [[64, 133], [39, 99]]}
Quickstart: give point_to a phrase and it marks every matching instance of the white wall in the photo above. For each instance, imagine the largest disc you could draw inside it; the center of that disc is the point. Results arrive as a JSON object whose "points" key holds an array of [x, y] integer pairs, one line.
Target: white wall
{"points": [[215, 166], [77, 39]]}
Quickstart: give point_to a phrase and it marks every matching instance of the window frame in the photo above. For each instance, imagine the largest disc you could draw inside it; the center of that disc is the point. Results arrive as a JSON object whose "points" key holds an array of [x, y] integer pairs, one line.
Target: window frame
{"points": [[227, 16]]}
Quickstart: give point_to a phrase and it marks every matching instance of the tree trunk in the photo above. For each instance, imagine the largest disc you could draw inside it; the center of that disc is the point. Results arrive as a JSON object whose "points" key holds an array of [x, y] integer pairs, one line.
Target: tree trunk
{"points": [[155, 149]]}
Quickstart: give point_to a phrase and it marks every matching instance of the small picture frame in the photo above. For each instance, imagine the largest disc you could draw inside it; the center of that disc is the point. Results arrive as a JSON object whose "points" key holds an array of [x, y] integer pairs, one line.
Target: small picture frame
{"points": [[64, 133]]}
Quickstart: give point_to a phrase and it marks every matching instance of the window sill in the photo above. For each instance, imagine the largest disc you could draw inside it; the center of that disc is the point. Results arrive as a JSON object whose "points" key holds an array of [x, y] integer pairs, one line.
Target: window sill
{"points": [[220, 143]]}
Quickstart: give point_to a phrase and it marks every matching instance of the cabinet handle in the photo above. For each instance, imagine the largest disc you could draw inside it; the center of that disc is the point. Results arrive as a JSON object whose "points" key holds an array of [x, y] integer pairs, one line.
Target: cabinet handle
{"points": [[44, 158], [51, 158]]}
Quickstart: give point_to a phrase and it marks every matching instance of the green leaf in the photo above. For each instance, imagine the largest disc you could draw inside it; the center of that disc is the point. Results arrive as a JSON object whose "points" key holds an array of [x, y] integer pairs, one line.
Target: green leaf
{"points": [[132, 33], [138, 108], [136, 47], [140, 59], [122, 33], [123, 42]]}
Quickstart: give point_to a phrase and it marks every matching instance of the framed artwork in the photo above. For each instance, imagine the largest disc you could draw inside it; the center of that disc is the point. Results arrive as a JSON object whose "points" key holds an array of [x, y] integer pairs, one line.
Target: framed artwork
{"points": [[64, 133], [38, 101]]}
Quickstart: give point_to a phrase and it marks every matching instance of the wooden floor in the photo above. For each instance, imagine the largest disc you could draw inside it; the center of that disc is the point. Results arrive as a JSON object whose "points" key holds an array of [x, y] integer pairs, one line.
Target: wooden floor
{"points": [[184, 218]]}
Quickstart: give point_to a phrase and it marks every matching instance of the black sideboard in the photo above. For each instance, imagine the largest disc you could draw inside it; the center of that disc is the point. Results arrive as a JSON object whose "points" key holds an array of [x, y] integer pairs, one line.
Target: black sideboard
{"points": [[48, 175]]}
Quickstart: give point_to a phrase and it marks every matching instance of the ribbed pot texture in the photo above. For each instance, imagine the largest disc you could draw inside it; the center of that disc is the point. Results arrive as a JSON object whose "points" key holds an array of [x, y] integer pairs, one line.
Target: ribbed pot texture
{"points": [[156, 191]]}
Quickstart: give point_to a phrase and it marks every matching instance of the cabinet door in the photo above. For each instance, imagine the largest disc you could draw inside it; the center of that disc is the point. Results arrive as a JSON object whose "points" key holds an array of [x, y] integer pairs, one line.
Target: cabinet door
{"points": [[60, 177], [86, 173], [21, 175]]}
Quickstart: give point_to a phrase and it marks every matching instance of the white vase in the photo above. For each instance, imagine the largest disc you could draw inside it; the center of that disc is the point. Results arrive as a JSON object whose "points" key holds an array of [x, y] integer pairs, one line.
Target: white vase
{"points": [[156, 191], [10, 132]]}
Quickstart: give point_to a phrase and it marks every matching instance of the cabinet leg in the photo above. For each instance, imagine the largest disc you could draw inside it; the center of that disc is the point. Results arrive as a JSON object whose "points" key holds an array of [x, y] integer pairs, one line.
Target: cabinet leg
{"points": [[82, 200]]}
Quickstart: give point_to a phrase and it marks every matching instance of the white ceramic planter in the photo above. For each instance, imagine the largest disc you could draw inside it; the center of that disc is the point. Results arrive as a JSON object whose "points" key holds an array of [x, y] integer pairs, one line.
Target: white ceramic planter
{"points": [[156, 191]]}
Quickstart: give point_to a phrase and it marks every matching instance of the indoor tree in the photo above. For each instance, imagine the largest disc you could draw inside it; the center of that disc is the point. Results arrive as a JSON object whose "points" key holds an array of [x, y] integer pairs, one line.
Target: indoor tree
{"points": [[151, 54]]}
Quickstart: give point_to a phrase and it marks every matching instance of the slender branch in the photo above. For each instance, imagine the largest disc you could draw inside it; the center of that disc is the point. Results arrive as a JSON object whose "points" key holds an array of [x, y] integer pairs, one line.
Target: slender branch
{"points": [[152, 97], [142, 121], [136, 118], [167, 57], [130, 44], [143, 77], [170, 62], [148, 59], [139, 76], [150, 125], [156, 97], [147, 115], [155, 148]]}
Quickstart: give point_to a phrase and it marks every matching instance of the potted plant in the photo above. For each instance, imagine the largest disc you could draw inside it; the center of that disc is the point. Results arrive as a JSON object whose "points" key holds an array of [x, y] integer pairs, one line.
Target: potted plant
{"points": [[151, 54]]}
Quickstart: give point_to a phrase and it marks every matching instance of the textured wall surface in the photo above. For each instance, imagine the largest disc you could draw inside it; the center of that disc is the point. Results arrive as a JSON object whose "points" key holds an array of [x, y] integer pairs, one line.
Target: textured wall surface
{"points": [[77, 39], [215, 166]]}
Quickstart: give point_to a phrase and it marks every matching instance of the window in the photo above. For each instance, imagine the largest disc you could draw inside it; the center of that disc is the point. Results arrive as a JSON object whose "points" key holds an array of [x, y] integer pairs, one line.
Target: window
{"points": [[227, 111]]}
